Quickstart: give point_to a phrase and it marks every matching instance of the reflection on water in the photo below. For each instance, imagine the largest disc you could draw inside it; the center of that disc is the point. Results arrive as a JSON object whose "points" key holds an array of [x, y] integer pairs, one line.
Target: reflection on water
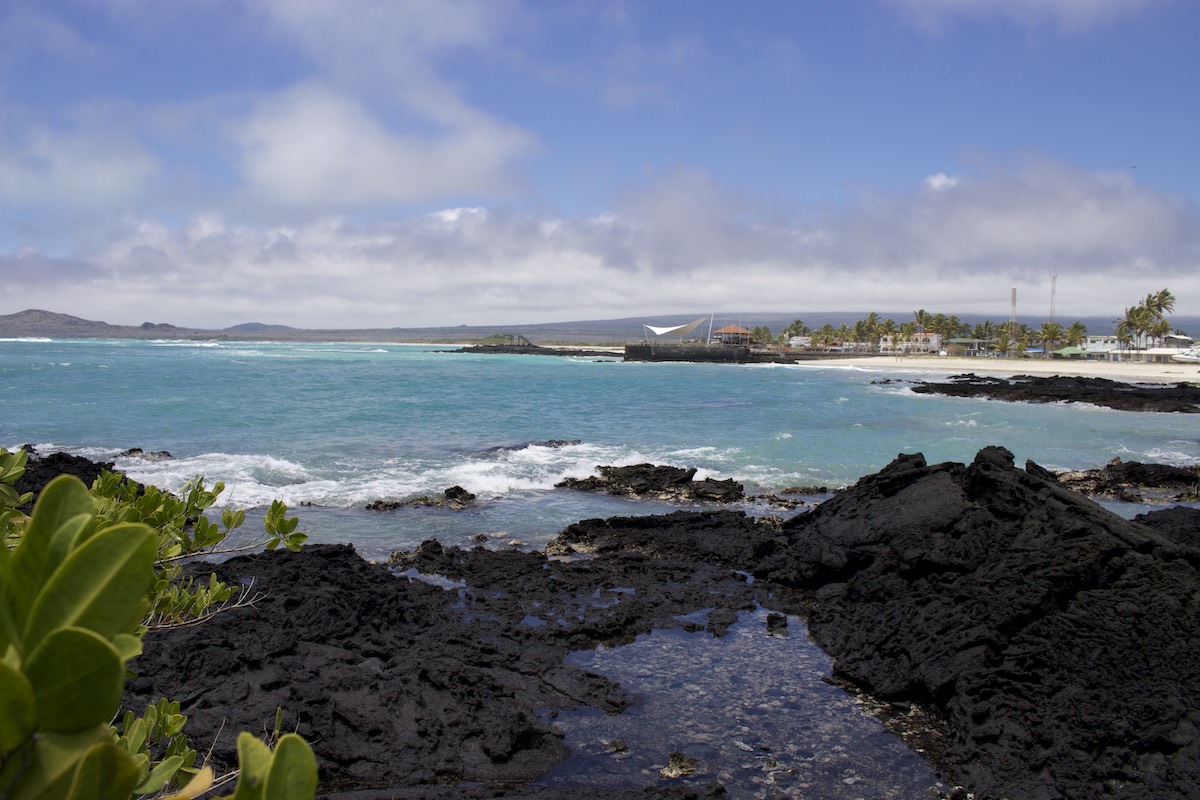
{"points": [[753, 710]]}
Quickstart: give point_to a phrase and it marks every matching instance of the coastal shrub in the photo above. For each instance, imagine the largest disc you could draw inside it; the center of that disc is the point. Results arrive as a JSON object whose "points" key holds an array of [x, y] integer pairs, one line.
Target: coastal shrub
{"points": [[78, 582], [12, 467]]}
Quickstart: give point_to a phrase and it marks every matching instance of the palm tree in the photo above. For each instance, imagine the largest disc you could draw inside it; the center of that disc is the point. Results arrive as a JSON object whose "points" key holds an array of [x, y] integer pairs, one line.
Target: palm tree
{"points": [[1137, 323], [1003, 340], [888, 328], [797, 328], [1050, 334], [1160, 329], [1160, 303], [1076, 334]]}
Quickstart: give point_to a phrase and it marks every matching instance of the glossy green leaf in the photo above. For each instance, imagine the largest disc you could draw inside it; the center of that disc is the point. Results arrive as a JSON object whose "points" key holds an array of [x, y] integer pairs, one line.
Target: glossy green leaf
{"points": [[293, 774], [63, 499], [158, 777], [254, 763], [77, 678], [52, 761], [18, 710], [106, 772], [101, 585]]}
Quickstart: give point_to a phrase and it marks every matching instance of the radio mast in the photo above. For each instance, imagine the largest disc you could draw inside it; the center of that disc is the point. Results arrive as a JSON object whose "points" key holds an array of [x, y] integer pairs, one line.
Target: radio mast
{"points": [[1053, 287], [1012, 322]]}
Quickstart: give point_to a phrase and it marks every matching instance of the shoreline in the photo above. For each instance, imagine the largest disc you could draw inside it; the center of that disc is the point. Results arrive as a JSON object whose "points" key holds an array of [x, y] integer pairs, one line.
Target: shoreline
{"points": [[1127, 371]]}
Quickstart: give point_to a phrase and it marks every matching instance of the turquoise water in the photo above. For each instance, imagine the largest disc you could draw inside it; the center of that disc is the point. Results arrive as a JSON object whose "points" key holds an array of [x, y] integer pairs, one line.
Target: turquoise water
{"points": [[329, 428]]}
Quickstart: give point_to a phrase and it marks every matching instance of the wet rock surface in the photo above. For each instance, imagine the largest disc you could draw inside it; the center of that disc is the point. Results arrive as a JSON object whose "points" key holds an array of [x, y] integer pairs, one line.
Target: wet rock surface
{"points": [[1133, 481], [1049, 645], [1181, 397], [455, 498], [399, 682], [645, 481]]}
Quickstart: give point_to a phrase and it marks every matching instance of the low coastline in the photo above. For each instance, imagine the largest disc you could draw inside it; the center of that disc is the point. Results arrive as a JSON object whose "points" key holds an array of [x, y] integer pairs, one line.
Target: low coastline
{"points": [[1126, 371], [964, 599]]}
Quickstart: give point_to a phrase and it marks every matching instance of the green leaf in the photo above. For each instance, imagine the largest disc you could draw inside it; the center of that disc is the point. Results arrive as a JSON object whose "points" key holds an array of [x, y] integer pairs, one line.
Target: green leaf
{"points": [[101, 585], [52, 761], [254, 763], [77, 678], [18, 709], [163, 771], [31, 565], [106, 772], [128, 645], [293, 774]]}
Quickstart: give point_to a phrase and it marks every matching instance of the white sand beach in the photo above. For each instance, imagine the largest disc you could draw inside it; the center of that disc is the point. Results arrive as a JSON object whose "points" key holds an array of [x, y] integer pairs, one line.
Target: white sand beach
{"points": [[1128, 371]]}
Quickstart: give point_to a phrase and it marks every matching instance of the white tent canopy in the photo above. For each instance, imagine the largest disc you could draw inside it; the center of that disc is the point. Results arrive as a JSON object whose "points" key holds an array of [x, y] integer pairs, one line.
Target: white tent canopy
{"points": [[681, 330]]}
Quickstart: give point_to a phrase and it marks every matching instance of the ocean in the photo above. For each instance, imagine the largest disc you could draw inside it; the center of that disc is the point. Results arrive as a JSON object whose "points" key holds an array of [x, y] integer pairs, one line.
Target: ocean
{"points": [[329, 428]]}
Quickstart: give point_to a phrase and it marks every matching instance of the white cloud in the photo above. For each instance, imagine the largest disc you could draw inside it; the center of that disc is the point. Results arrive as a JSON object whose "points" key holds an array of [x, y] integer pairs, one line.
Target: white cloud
{"points": [[312, 147], [940, 182], [682, 245], [82, 169]]}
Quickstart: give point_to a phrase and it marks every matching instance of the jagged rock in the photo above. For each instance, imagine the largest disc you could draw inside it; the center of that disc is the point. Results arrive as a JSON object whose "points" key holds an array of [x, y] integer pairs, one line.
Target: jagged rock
{"points": [[1055, 639], [1134, 481], [40, 470], [643, 481], [399, 683], [455, 498], [1181, 523], [1180, 397]]}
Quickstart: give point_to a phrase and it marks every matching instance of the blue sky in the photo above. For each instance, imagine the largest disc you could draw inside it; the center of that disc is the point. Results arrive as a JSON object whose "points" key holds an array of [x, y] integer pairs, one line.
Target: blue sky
{"points": [[345, 163]]}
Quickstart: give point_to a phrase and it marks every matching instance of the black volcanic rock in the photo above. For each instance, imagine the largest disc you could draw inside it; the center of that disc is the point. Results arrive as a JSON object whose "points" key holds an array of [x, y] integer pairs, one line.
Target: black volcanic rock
{"points": [[659, 482], [40, 470], [1053, 644], [1134, 481], [1181, 523], [414, 689], [1057, 641], [1181, 397], [455, 498]]}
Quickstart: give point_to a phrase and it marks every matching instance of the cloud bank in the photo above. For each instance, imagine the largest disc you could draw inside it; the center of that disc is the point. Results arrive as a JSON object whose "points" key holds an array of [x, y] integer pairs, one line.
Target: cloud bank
{"points": [[681, 245]]}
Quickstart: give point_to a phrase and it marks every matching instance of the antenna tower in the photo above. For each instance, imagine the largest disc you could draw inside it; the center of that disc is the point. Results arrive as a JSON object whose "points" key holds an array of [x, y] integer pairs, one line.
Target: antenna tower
{"points": [[1012, 321], [1053, 288]]}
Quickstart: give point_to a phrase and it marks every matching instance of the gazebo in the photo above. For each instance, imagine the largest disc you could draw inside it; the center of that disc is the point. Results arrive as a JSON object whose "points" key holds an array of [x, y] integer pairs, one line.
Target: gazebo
{"points": [[733, 334]]}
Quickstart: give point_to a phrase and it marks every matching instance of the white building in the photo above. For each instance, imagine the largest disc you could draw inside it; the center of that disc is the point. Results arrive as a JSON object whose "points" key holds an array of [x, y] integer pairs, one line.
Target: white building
{"points": [[919, 343]]}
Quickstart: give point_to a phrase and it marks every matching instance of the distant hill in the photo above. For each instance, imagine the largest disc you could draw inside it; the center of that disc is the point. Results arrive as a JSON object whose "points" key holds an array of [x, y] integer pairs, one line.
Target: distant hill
{"points": [[37, 323], [258, 327]]}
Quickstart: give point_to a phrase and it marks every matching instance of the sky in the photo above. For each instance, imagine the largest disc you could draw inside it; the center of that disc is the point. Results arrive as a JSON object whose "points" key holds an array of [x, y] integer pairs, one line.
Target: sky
{"points": [[407, 163]]}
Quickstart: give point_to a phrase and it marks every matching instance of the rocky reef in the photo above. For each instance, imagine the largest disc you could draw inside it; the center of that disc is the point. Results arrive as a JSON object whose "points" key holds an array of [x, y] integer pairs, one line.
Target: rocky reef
{"points": [[1181, 397], [1049, 644], [675, 484]]}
